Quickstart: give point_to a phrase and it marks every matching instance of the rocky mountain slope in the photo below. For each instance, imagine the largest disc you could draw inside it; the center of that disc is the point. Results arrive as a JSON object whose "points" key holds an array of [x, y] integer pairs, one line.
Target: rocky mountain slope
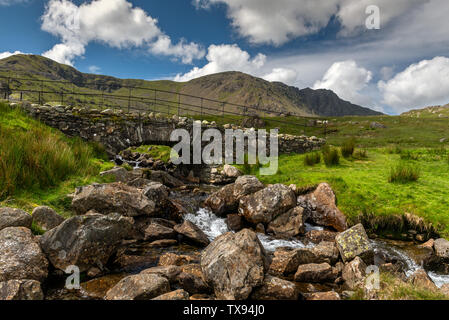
{"points": [[232, 87], [429, 112]]}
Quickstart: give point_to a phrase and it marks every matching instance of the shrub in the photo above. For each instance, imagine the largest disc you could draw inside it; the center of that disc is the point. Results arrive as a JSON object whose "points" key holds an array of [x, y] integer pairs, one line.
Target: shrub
{"points": [[331, 156], [312, 159], [404, 173], [348, 147]]}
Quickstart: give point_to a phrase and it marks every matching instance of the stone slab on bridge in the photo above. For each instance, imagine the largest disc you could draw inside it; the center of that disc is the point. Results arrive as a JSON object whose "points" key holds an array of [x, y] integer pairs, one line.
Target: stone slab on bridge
{"points": [[117, 130]]}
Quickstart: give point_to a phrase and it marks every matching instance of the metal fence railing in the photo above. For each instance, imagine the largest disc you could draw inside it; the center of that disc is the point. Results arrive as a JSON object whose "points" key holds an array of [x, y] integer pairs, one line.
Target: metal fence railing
{"points": [[101, 95]]}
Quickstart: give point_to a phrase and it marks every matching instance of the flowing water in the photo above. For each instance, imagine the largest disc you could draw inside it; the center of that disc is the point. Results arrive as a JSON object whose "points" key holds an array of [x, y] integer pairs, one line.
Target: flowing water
{"points": [[397, 252]]}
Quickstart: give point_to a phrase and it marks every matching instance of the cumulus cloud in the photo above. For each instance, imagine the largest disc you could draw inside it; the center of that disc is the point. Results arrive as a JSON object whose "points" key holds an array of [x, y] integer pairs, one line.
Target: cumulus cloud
{"points": [[112, 22], [7, 54], [422, 84], [282, 75], [232, 58], [94, 69], [346, 79], [277, 22]]}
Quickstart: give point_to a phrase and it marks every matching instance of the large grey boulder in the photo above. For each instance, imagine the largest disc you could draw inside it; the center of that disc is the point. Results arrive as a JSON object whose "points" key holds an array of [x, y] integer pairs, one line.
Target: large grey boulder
{"points": [[10, 217], [193, 234], [231, 172], [233, 264], [266, 204], [85, 241], [274, 288], [46, 218], [144, 286], [226, 200], [113, 197], [321, 208], [21, 290], [179, 294], [119, 174], [21, 256], [288, 224], [156, 231], [354, 242]]}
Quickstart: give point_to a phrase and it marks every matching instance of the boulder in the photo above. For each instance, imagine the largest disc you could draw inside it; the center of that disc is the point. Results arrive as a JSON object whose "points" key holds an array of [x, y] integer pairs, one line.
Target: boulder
{"points": [[266, 204], [168, 272], [354, 273], [10, 217], [113, 197], [85, 241], [320, 208], [164, 178], [174, 295], [139, 287], [21, 257], [46, 218], [222, 201], [158, 193], [234, 222], [324, 296], [192, 233], [288, 224], [325, 252], [157, 231], [246, 185], [354, 242], [421, 279], [21, 290], [233, 264], [284, 262], [315, 273], [441, 247], [192, 280], [317, 236], [120, 174], [275, 289], [226, 200], [231, 172]]}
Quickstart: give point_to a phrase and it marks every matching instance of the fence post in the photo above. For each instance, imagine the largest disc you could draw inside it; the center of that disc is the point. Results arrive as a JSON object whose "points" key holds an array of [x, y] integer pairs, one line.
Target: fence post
{"points": [[41, 98], [62, 98], [179, 103], [222, 111], [9, 88], [129, 99], [21, 95], [201, 108]]}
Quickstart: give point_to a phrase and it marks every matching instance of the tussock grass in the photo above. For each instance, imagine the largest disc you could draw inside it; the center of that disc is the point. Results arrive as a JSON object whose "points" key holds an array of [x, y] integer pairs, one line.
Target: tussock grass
{"points": [[404, 173], [331, 156], [312, 159], [360, 154], [348, 148], [36, 157]]}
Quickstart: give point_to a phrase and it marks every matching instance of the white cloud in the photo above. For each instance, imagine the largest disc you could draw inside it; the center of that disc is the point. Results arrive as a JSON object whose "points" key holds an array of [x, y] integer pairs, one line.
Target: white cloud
{"points": [[346, 79], [226, 57], [281, 75], [94, 69], [112, 22], [277, 22], [421, 84], [7, 54], [12, 2]]}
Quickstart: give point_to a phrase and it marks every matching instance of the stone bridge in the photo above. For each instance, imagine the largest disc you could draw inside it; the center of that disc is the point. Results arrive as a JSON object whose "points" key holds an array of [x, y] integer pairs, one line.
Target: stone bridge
{"points": [[117, 131]]}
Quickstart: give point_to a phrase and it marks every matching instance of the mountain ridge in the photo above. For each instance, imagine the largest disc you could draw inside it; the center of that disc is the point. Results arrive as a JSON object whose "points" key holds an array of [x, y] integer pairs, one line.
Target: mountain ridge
{"points": [[232, 87]]}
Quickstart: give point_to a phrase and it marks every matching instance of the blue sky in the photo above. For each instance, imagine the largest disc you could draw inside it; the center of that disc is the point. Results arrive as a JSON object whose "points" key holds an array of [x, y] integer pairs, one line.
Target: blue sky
{"points": [[305, 43]]}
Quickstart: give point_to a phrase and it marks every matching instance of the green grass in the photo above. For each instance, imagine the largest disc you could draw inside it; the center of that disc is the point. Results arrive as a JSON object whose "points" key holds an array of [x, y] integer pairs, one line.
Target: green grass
{"points": [[39, 165], [331, 156], [312, 159], [362, 186], [348, 148], [154, 151], [404, 173]]}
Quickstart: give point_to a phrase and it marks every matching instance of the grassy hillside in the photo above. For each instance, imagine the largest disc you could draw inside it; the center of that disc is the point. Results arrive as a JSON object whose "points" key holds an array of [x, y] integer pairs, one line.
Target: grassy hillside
{"points": [[441, 112], [231, 87], [39, 165]]}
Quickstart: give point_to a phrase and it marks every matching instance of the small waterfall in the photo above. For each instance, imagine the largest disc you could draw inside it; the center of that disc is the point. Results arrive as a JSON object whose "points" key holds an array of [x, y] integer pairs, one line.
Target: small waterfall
{"points": [[214, 226]]}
